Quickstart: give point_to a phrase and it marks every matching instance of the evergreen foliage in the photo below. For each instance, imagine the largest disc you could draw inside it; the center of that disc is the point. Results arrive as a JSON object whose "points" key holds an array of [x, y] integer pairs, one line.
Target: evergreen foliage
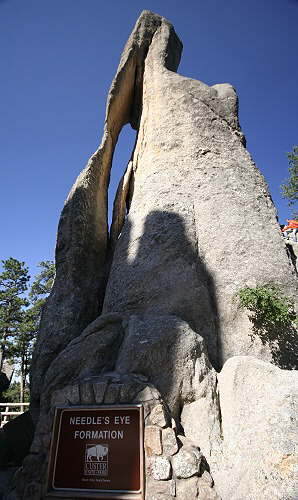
{"points": [[268, 306], [43, 282], [274, 320], [20, 315], [13, 284], [12, 394], [290, 187]]}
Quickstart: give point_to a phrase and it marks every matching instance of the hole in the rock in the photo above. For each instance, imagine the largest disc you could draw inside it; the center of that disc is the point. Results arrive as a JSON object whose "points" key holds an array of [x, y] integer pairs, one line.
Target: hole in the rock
{"points": [[122, 155]]}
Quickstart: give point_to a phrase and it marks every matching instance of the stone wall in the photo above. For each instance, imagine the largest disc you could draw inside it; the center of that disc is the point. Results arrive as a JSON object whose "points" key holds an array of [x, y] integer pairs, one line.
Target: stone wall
{"points": [[174, 466]]}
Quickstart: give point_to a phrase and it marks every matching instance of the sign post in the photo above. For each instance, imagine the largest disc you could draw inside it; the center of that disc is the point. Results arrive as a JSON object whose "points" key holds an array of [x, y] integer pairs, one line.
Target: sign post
{"points": [[97, 452]]}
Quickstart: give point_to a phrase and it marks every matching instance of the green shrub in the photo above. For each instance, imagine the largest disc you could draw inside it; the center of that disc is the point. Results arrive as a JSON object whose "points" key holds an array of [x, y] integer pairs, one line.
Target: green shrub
{"points": [[274, 321], [268, 305]]}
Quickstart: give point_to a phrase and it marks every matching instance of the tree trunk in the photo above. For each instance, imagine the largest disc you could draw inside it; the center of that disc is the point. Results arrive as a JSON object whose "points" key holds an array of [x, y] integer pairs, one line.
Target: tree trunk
{"points": [[2, 351], [1, 358], [22, 381]]}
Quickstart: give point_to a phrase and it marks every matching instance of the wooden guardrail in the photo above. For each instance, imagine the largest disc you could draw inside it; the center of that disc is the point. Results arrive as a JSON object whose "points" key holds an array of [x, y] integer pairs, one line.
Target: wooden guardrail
{"points": [[6, 415]]}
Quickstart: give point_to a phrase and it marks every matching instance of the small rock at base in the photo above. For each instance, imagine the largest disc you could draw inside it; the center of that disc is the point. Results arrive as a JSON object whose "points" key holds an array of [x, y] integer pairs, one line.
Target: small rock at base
{"points": [[159, 468], [99, 389], [86, 392], [159, 416], [186, 463], [152, 440], [147, 394], [112, 394], [169, 442]]}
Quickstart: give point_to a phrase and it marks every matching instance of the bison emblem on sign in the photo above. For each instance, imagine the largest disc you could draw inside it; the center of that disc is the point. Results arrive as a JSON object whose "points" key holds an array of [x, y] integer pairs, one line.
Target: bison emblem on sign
{"points": [[96, 451]]}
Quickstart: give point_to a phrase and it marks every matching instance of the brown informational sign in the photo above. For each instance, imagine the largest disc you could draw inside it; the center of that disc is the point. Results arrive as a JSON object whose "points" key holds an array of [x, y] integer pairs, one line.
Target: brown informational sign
{"points": [[97, 452]]}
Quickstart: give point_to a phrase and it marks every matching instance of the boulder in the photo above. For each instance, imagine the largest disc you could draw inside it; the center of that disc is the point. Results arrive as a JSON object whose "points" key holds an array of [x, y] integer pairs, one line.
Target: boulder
{"points": [[174, 357], [201, 421], [259, 408], [15, 440], [186, 463]]}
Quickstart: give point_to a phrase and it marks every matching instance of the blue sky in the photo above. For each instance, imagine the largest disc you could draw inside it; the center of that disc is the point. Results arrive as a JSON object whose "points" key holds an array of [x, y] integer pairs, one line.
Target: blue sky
{"points": [[58, 58]]}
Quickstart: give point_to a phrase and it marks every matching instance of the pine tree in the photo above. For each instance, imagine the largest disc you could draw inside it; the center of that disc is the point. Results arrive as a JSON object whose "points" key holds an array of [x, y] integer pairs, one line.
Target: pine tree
{"points": [[20, 317], [24, 342], [42, 285], [13, 284]]}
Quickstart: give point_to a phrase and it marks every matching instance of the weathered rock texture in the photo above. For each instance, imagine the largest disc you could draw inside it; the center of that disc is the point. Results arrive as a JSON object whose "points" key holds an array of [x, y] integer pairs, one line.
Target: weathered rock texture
{"points": [[193, 182], [149, 313], [82, 258], [259, 408]]}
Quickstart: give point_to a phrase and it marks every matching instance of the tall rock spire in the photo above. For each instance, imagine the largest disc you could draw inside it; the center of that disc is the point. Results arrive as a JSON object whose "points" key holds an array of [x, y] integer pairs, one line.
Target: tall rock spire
{"points": [[82, 250]]}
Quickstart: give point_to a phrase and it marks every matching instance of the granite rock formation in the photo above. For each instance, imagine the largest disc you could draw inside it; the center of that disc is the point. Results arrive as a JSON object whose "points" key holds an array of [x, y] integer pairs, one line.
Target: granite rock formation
{"points": [[259, 409], [149, 312]]}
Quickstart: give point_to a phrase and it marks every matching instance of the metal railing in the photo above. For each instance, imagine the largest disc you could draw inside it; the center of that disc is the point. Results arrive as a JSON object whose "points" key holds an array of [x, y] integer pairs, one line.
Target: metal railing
{"points": [[6, 415]]}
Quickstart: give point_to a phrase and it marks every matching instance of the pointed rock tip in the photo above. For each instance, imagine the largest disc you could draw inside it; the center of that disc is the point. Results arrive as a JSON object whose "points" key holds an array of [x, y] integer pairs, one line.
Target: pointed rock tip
{"points": [[149, 13], [152, 15]]}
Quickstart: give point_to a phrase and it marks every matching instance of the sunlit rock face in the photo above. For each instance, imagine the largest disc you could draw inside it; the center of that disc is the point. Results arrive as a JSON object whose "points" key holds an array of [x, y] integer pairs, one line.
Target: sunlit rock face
{"points": [[149, 312], [201, 224], [83, 250], [259, 404]]}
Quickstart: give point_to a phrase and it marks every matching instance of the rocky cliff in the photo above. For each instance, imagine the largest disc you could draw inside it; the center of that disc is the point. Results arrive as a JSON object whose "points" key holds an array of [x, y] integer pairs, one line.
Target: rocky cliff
{"points": [[149, 312]]}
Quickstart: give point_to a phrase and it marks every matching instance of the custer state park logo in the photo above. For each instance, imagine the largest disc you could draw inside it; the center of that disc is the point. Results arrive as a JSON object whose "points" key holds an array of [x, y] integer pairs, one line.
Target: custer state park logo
{"points": [[96, 460]]}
